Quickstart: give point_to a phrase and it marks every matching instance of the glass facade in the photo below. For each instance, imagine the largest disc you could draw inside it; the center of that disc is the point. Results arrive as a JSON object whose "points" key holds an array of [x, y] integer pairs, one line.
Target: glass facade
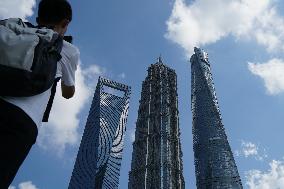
{"points": [[98, 161], [157, 157], [215, 167]]}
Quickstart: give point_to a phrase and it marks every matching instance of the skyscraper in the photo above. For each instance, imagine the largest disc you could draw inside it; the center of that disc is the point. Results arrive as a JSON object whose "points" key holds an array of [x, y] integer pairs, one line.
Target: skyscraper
{"points": [[215, 166], [157, 157], [99, 158]]}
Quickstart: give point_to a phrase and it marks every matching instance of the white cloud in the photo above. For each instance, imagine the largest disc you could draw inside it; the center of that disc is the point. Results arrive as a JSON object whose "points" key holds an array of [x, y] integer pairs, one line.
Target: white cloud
{"points": [[64, 121], [271, 179], [91, 71], [27, 185], [272, 72], [249, 149], [205, 22], [16, 8], [24, 185]]}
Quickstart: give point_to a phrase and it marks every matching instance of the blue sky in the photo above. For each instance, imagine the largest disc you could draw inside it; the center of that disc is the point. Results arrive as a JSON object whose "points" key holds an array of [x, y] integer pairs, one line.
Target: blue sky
{"points": [[120, 39]]}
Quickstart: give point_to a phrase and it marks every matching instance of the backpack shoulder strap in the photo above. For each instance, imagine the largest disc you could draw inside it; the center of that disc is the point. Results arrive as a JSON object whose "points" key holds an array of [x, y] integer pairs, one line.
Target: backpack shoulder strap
{"points": [[30, 25], [50, 101]]}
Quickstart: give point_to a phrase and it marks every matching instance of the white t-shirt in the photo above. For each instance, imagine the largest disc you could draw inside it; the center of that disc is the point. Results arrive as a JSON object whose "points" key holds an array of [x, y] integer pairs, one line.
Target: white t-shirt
{"points": [[35, 106]]}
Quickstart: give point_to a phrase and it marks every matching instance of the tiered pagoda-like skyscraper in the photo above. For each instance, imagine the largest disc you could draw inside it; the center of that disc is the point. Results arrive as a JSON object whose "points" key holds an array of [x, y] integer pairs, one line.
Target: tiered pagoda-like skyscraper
{"points": [[99, 158], [215, 167], [157, 157]]}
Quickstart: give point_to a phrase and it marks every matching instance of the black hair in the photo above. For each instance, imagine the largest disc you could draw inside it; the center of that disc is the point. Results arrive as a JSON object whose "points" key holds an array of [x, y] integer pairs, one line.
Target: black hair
{"points": [[54, 11]]}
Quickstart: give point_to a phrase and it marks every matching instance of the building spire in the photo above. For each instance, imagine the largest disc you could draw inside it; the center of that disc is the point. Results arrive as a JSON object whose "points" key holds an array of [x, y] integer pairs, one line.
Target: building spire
{"points": [[159, 59]]}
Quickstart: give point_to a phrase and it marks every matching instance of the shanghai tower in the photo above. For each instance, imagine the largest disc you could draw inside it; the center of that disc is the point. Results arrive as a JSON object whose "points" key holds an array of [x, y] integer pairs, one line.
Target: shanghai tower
{"points": [[157, 157], [99, 158], [215, 166]]}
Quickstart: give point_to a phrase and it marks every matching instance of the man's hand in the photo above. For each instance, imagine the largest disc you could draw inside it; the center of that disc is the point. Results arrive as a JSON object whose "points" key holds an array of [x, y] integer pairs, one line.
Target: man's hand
{"points": [[67, 91]]}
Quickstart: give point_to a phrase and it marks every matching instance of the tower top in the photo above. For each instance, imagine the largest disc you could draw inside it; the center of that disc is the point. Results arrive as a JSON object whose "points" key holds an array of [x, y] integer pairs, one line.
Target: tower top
{"points": [[113, 84], [160, 64], [159, 59], [201, 54]]}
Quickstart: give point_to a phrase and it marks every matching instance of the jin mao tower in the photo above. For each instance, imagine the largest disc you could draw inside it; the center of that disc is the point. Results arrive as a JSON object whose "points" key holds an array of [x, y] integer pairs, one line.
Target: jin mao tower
{"points": [[215, 166], [157, 157]]}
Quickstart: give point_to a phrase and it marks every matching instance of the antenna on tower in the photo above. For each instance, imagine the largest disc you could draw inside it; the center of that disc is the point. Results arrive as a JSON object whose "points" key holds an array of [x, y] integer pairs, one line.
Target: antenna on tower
{"points": [[160, 59]]}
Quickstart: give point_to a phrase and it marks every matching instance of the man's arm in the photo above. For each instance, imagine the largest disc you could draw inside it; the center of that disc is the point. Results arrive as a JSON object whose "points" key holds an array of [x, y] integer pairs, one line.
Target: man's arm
{"points": [[68, 62], [67, 91]]}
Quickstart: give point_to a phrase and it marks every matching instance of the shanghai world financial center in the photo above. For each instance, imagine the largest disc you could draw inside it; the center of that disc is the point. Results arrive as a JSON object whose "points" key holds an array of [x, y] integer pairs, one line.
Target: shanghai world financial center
{"points": [[157, 161]]}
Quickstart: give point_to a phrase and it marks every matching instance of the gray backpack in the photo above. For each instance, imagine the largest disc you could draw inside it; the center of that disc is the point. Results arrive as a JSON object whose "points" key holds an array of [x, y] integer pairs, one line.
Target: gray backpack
{"points": [[28, 58]]}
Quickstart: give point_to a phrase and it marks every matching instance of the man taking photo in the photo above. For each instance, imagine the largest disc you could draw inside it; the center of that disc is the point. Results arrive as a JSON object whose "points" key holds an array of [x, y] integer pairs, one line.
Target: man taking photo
{"points": [[21, 117]]}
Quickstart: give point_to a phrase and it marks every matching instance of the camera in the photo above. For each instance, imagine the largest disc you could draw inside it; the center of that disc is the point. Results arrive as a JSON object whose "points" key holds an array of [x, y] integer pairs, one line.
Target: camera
{"points": [[68, 38]]}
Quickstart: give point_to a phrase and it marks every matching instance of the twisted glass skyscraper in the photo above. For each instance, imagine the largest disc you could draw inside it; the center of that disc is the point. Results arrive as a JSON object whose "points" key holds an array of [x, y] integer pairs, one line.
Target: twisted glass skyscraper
{"points": [[215, 167], [98, 161], [156, 158]]}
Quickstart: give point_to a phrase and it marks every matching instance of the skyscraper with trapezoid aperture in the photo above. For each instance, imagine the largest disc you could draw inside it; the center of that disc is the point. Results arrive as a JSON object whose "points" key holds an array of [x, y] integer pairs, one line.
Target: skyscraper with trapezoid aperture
{"points": [[98, 161], [157, 157], [215, 167]]}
